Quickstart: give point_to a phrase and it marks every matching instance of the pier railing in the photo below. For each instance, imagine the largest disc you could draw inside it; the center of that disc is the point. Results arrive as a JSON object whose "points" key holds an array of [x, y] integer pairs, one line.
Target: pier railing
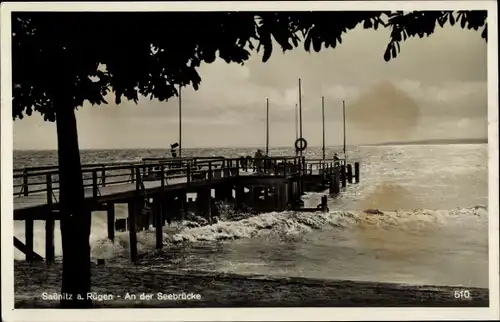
{"points": [[323, 165], [45, 179]]}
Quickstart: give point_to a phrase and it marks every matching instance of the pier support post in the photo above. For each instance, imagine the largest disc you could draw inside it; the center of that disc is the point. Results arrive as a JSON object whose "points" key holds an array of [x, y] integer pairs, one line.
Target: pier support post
{"points": [[343, 176], [205, 203], [349, 173], [218, 193], [277, 193], [164, 214], [228, 191], [171, 208], [223, 192], [49, 240], [286, 191], [294, 195], [182, 205], [133, 207], [239, 191], [282, 200], [290, 192], [324, 203], [146, 217], [334, 184], [28, 233], [256, 191], [158, 220], [299, 187], [356, 171], [110, 210]]}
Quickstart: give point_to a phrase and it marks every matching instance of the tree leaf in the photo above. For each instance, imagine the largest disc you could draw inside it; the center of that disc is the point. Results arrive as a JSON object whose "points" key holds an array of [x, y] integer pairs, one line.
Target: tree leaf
{"points": [[463, 21], [394, 53], [387, 54], [307, 42], [484, 34], [452, 19], [317, 42], [367, 24], [209, 56], [442, 21], [268, 50]]}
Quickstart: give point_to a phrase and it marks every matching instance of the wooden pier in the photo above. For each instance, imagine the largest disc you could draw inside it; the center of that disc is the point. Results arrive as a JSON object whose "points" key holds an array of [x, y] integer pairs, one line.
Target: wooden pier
{"points": [[155, 191]]}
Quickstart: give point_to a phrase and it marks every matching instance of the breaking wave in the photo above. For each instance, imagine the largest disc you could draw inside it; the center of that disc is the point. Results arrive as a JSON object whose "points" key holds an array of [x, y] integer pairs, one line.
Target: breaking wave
{"points": [[233, 225], [292, 225]]}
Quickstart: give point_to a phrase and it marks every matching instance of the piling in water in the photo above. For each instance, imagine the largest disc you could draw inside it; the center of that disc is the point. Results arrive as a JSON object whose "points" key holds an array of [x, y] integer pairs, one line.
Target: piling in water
{"points": [[334, 183], [349, 173], [158, 221], [29, 233], [132, 208], [49, 240], [324, 203], [356, 171], [343, 176], [110, 210]]}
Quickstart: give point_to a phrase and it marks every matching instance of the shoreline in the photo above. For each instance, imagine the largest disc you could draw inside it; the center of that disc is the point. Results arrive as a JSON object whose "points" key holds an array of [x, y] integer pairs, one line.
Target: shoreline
{"points": [[232, 290]]}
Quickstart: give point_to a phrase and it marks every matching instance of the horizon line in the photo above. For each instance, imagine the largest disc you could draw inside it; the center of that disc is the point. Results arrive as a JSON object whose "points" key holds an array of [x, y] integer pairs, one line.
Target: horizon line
{"points": [[423, 141]]}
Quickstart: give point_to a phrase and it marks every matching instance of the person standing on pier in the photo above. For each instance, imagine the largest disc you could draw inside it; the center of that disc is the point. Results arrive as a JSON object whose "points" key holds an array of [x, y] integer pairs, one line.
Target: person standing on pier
{"points": [[258, 161], [336, 160]]}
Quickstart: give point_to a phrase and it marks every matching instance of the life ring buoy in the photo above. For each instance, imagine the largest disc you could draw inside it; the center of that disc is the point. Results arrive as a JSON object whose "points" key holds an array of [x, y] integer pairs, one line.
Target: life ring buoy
{"points": [[300, 144]]}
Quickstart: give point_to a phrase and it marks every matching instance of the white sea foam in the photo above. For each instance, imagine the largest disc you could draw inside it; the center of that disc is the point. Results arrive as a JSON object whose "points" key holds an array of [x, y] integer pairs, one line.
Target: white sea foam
{"points": [[278, 224]]}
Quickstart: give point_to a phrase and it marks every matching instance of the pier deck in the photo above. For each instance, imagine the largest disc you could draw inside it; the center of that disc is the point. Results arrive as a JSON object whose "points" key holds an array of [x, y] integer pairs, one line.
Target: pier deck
{"points": [[218, 170], [156, 191], [113, 192]]}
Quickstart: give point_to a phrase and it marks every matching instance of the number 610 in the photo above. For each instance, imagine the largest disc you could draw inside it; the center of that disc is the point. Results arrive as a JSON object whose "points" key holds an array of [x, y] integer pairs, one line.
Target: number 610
{"points": [[462, 294]]}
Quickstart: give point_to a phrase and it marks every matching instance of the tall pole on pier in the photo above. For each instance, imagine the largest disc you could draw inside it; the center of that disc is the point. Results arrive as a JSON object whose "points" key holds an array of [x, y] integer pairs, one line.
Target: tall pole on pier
{"points": [[180, 121], [267, 126], [323, 122], [343, 117], [296, 121], [300, 112], [296, 125]]}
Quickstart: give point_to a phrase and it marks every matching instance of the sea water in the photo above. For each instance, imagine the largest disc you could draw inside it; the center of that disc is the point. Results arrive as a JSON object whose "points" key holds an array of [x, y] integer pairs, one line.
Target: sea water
{"points": [[431, 228]]}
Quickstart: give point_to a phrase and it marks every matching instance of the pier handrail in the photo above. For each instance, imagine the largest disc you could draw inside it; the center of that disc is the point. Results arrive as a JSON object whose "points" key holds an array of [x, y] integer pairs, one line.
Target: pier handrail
{"points": [[96, 175], [324, 165], [85, 165], [55, 169]]}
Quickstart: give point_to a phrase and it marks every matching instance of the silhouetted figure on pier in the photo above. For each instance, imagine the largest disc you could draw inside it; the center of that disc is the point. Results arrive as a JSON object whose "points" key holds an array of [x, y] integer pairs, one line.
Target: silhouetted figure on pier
{"points": [[258, 160], [336, 160]]}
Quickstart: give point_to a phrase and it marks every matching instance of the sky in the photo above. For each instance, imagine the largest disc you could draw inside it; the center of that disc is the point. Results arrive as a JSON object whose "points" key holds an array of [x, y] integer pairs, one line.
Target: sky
{"points": [[436, 88]]}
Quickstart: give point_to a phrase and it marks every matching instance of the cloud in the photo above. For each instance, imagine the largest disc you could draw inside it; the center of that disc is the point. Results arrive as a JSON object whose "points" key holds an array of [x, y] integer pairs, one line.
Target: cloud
{"points": [[450, 99], [436, 87]]}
